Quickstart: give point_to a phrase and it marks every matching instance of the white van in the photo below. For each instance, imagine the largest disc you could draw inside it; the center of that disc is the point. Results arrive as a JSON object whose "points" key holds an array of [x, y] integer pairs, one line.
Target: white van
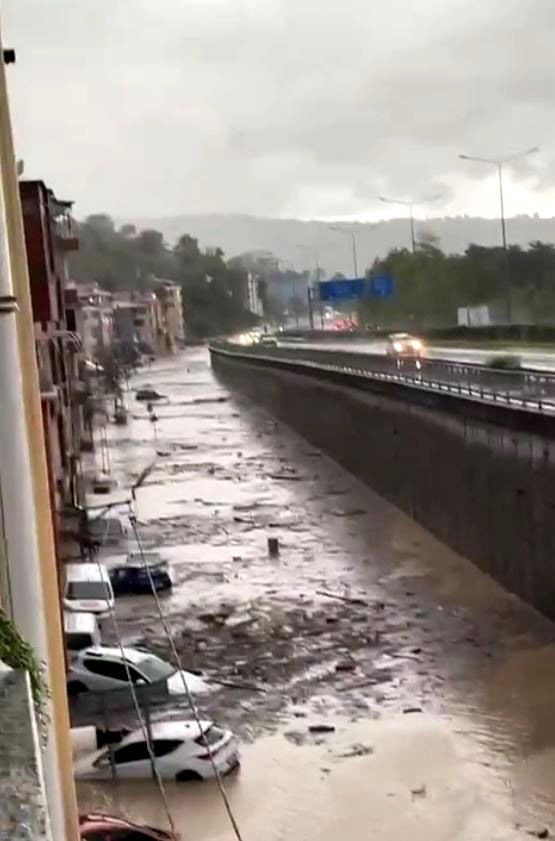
{"points": [[81, 630], [88, 589]]}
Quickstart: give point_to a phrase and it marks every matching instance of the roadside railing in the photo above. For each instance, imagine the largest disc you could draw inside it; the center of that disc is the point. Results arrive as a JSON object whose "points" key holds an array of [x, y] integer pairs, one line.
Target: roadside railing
{"points": [[522, 388]]}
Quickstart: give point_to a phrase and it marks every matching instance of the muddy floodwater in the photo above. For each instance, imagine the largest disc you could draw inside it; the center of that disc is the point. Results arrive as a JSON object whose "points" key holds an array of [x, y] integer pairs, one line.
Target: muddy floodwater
{"points": [[438, 684]]}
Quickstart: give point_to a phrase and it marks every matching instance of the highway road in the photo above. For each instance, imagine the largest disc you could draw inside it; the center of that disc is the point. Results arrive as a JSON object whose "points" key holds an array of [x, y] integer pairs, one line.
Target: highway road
{"points": [[539, 360], [457, 370]]}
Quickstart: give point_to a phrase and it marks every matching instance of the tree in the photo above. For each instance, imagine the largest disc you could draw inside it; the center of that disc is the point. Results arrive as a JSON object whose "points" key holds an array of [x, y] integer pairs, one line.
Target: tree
{"points": [[214, 292]]}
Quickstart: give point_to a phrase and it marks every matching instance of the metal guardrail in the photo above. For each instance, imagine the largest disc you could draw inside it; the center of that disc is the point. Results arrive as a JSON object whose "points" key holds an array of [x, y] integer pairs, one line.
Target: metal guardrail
{"points": [[526, 389]]}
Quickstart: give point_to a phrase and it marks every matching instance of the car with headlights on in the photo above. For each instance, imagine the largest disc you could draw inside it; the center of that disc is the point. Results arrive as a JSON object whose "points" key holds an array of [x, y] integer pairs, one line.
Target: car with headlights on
{"points": [[404, 346], [183, 751]]}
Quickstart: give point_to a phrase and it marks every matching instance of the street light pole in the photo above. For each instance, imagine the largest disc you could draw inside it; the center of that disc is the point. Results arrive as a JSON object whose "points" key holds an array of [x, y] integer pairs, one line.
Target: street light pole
{"points": [[412, 232], [354, 244], [499, 163], [310, 297], [502, 205], [411, 205]]}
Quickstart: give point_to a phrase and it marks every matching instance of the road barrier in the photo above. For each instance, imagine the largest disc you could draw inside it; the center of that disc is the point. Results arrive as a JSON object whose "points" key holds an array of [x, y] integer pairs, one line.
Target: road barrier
{"points": [[526, 389]]}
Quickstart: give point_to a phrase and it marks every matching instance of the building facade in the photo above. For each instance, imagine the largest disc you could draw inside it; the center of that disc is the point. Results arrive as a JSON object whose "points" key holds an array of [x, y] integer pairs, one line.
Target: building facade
{"points": [[50, 233]]}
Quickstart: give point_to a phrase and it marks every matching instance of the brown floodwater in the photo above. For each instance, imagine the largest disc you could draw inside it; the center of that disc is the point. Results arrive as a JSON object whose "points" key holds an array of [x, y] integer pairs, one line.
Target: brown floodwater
{"points": [[430, 632]]}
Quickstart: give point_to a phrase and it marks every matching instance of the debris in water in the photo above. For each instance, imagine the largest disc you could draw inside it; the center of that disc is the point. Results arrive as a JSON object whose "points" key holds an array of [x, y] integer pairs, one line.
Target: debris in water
{"points": [[346, 599], [321, 728], [409, 710], [273, 547], [357, 750], [418, 792]]}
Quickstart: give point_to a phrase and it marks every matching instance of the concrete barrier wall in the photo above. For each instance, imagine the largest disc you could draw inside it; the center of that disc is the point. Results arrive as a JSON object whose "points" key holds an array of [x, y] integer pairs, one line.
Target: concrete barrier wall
{"points": [[23, 807], [485, 489]]}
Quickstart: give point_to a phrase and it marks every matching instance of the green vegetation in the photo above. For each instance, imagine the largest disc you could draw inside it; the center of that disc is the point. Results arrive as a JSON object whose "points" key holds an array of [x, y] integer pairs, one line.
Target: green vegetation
{"points": [[125, 260], [431, 285], [18, 654]]}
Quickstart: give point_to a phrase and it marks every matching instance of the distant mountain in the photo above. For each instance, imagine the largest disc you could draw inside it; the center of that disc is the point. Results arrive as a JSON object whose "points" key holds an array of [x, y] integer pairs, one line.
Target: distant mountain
{"points": [[236, 234]]}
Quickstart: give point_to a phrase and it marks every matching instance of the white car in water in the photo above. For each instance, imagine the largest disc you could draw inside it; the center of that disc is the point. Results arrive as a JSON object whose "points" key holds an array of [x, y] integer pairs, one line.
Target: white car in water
{"points": [[101, 669], [183, 751]]}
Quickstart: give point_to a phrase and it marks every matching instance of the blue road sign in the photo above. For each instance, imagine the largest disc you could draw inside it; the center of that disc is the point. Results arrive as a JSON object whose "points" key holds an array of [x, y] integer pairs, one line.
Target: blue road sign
{"points": [[348, 289], [382, 286], [353, 289]]}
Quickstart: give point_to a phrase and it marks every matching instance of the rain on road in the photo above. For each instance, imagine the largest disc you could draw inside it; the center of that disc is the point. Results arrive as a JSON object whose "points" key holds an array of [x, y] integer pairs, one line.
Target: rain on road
{"points": [[439, 684]]}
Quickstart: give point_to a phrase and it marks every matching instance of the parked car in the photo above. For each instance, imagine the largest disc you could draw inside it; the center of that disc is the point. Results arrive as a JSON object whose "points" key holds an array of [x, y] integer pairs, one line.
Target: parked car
{"points": [[101, 669], [132, 577], [401, 345], [180, 748], [88, 588], [81, 630], [98, 827]]}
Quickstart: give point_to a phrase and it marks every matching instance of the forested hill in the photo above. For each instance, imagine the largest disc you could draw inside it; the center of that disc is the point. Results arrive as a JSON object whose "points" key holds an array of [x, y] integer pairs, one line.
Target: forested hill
{"points": [[236, 234], [126, 259]]}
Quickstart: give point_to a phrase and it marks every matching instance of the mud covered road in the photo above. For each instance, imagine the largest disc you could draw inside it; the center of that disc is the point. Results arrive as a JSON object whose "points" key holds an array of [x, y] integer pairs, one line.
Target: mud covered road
{"points": [[439, 685]]}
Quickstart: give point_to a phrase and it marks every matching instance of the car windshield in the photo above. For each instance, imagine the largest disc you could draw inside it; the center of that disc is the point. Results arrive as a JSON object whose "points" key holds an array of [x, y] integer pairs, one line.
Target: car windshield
{"points": [[210, 736], [88, 590], [155, 669]]}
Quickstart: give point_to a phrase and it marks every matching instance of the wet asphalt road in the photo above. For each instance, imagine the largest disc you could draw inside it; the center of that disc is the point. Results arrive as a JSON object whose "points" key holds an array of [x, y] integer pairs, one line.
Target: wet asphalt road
{"points": [[540, 359], [439, 684]]}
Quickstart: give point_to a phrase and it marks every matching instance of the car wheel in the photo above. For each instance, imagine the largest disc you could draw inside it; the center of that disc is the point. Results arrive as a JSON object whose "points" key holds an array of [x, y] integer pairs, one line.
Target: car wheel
{"points": [[75, 687], [187, 776]]}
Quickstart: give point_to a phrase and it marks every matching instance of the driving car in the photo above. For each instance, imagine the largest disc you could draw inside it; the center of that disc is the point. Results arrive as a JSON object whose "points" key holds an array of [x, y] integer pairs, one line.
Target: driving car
{"points": [[268, 340], [404, 345], [102, 669], [98, 827], [182, 749]]}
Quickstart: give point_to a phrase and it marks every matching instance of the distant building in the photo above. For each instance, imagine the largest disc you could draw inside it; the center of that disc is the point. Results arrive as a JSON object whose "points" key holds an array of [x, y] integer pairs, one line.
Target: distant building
{"points": [[138, 320], [97, 318], [172, 317]]}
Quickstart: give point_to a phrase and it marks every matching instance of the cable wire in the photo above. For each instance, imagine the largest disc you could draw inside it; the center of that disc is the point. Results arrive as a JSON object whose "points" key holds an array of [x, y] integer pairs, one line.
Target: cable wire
{"points": [[142, 723], [177, 660]]}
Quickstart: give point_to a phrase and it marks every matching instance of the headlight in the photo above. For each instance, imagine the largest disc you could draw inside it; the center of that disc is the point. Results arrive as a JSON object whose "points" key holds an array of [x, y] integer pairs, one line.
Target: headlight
{"points": [[416, 344], [398, 346]]}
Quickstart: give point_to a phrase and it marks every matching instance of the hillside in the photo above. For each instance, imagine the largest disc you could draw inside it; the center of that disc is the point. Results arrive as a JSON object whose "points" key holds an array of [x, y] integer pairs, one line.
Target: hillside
{"points": [[237, 233]]}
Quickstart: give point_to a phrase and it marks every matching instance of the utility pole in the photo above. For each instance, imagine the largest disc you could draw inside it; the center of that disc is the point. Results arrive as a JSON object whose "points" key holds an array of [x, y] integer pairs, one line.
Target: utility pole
{"points": [[499, 163]]}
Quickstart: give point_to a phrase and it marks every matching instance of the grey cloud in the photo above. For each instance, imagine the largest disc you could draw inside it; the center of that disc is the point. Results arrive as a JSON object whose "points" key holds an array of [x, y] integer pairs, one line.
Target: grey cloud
{"points": [[275, 106]]}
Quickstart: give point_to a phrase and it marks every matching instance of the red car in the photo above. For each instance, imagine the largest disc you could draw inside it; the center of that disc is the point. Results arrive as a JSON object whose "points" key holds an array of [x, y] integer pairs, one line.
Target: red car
{"points": [[97, 827]]}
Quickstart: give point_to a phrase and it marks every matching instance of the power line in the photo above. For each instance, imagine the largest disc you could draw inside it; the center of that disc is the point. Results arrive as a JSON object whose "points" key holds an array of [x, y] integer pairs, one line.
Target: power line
{"points": [[190, 700], [136, 704]]}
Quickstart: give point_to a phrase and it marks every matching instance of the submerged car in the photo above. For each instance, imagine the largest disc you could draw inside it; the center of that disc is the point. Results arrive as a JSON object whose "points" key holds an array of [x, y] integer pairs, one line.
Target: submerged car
{"points": [[87, 588], [148, 394], [401, 345], [99, 827], [102, 669], [183, 750], [132, 576]]}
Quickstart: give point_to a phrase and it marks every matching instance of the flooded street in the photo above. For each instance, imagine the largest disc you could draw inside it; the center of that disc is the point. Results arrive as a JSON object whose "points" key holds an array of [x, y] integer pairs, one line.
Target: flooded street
{"points": [[436, 685]]}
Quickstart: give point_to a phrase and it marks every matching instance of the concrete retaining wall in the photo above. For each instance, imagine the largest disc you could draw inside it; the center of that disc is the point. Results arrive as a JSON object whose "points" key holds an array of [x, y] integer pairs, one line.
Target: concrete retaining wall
{"points": [[483, 488], [23, 809]]}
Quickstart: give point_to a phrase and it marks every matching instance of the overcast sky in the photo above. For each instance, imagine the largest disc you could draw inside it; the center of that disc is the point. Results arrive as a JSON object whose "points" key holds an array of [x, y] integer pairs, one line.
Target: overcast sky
{"points": [[309, 108]]}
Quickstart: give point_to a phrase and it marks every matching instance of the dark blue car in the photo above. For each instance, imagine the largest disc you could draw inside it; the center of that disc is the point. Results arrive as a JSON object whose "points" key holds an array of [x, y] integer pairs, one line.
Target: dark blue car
{"points": [[132, 578]]}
